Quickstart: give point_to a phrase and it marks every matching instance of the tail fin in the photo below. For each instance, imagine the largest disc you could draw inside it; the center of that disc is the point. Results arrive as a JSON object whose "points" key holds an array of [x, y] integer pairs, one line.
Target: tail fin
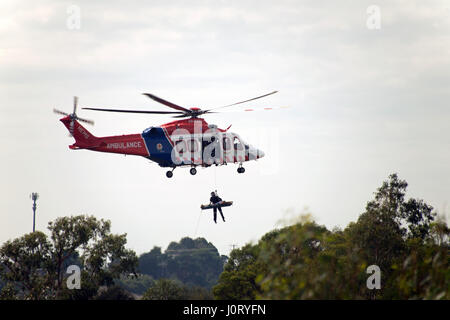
{"points": [[83, 138]]}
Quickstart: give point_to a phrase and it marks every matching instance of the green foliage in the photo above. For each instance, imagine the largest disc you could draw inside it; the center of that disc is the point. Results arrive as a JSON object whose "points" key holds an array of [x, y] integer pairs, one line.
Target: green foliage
{"points": [[423, 274], [295, 253], [113, 293], [194, 262], [169, 289], [238, 280], [23, 261], [164, 289], [34, 267], [307, 261], [8, 292], [153, 263], [197, 293], [137, 284]]}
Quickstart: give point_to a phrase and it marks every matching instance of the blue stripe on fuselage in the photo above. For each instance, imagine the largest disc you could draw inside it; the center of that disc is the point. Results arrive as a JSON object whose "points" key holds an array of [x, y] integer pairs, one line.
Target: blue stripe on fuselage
{"points": [[155, 137]]}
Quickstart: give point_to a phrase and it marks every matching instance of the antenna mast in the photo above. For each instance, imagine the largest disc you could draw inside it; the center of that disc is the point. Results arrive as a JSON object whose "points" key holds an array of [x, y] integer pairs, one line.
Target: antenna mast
{"points": [[34, 196]]}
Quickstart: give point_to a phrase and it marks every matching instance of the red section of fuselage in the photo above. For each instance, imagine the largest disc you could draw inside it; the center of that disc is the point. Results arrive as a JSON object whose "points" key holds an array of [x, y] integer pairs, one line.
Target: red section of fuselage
{"points": [[192, 125], [132, 144]]}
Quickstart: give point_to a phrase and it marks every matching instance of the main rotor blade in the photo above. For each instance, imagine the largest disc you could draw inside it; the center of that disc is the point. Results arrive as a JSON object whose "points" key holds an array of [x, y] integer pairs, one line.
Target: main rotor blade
{"points": [[254, 109], [135, 111], [85, 120], [233, 104], [165, 102], [184, 115], [60, 112]]}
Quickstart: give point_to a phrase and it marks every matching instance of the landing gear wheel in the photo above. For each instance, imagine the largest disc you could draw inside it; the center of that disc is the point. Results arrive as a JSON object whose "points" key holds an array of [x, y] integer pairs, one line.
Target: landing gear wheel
{"points": [[241, 170], [169, 174], [193, 171]]}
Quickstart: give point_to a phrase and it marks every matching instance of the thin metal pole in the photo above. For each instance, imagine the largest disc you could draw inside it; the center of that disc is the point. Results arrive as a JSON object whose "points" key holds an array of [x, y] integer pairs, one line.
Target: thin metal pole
{"points": [[34, 196], [34, 215]]}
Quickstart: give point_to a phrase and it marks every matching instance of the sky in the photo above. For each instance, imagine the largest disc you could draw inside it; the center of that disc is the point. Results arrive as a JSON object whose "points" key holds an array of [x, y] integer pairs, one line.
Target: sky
{"points": [[366, 83]]}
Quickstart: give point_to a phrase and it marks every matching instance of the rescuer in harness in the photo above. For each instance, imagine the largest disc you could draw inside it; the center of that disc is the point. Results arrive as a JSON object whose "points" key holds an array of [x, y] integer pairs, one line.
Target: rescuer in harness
{"points": [[215, 200]]}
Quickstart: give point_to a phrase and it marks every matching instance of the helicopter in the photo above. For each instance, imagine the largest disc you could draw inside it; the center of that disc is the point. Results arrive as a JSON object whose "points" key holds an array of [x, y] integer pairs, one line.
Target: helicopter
{"points": [[189, 142]]}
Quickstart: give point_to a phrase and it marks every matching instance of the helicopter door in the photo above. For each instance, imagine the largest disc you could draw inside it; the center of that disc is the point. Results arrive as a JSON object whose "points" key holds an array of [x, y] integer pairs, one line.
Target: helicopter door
{"points": [[193, 148], [212, 151], [180, 149], [239, 149], [228, 149]]}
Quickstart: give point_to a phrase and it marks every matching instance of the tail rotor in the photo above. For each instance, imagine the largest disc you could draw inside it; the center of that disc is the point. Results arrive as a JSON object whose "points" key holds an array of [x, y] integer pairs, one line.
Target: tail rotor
{"points": [[73, 116]]}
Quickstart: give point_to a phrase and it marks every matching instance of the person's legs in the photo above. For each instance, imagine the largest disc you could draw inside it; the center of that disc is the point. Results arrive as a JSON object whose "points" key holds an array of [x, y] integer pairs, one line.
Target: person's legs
{"points": [[221, 213], [215, 214]]}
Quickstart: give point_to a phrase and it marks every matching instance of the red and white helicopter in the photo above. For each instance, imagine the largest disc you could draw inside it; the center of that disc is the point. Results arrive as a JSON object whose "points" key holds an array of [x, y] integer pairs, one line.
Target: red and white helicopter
{"points": [[188, 142]]}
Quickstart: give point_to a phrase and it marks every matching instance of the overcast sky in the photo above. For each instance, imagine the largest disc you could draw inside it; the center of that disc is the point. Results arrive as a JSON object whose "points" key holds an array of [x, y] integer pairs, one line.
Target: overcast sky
{"points": [[364, 102]]}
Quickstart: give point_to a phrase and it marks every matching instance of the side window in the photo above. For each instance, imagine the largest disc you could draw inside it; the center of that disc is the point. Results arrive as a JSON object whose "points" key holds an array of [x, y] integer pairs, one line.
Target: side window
{"points": [[237, 144], [227, 145], [180, 146], [192, 145]]}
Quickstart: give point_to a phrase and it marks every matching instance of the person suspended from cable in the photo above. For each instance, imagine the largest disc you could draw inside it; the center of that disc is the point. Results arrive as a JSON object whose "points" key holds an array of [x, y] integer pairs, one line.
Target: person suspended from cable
{"points": [[215, 202]]}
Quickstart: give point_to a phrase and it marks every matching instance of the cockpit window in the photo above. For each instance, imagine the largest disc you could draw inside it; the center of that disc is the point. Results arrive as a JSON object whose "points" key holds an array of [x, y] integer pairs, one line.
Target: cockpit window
{"points": [[180, 146]]}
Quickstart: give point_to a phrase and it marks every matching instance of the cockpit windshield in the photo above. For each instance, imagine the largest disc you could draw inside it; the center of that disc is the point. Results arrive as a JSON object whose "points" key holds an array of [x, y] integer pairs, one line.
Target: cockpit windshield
{"points": [[236, 141], [235, 136]]}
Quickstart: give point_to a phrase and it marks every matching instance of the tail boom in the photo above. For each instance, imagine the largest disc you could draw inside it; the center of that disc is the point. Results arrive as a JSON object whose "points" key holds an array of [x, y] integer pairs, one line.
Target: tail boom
{"points": [[132, 144]]}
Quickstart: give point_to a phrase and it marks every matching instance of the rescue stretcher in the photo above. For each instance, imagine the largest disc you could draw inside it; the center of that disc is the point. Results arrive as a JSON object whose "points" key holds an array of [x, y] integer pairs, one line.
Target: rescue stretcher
{"points": [[219, 204]]}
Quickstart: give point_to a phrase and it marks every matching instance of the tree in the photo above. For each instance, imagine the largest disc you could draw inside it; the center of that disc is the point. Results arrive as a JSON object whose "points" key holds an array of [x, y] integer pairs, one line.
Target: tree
{"points": [[36, 266], [23, 261], [136, 285], [152, 263], [380, 234], [113, 293], [411, 218], [194, 262], [299, 265], [197, 293], [418, 217], [238, 281], [307, 261], [169, 289], [165, 289]]}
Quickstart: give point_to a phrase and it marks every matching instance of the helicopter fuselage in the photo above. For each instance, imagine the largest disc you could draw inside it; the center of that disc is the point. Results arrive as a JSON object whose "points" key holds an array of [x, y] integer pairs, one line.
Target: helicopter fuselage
{"points": [[189, 142]]}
